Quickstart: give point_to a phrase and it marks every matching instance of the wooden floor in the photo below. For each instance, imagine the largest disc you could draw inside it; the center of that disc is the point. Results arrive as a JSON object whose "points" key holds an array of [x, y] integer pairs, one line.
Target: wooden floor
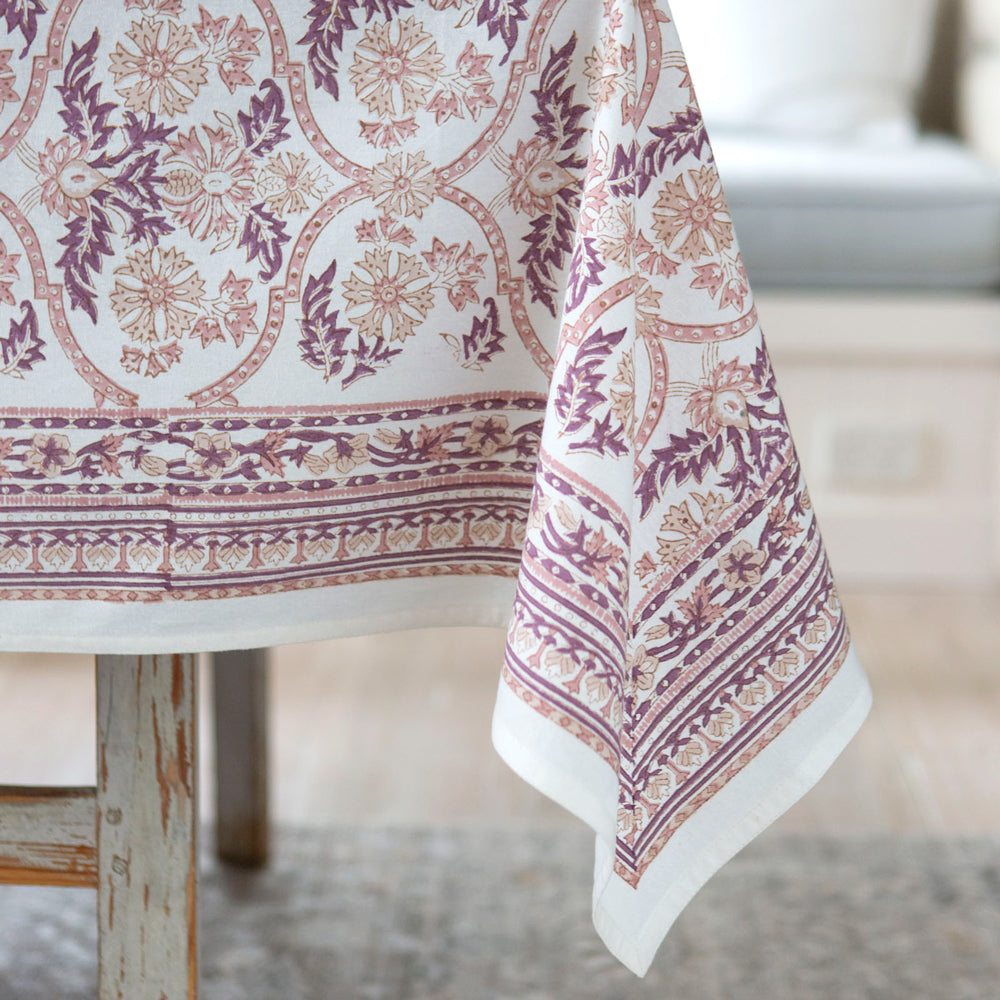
{"points": [[394, 729]]}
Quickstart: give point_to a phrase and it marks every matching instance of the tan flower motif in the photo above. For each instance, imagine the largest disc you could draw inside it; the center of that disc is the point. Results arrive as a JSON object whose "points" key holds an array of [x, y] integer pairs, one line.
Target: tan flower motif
{"points": [[394, 75], [721, 400], [289, 184], [643, 668], [713, 506], [8, 274], [211, 454], [647, 308], [535, 176], [48, 454], [603, 70], [158, 296], [617, 236], [395, 300], [208, 190], [699, 215], [488, 434], [699, 607], [348, 453], [403, 183], [154, 77], [7, 92], [65, 179], [742, 566], [622, 394]]}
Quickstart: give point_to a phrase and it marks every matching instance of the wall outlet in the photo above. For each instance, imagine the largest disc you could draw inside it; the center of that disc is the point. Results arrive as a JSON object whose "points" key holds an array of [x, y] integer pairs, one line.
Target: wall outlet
{"points": [[876, 456]]}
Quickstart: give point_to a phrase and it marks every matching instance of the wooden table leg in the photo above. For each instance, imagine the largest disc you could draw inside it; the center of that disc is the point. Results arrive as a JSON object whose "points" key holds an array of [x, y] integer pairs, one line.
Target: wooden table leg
{"points": [[147, 827], [240, 685]]}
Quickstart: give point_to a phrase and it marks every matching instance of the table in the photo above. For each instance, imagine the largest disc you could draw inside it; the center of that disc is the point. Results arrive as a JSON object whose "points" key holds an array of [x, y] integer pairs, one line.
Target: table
{"points": [[329, 318]]}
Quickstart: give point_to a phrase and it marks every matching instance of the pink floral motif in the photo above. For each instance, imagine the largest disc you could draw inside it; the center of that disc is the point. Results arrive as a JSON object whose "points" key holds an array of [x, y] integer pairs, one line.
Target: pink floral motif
{"points": [[488, 434], [395, 66], [384, 230], [232, 309], [699, 607], [211, 455], [8, 273], [156, 301], [404, 183], [742, 566], [231, 48], [606, 70], [642, 668], [721, 400], [344, 455], [209, 189], [535, 177], [172, 8], [6, 447], [621, 392], [385, 134], [699, 215], [49, 454], [396, 300], [469, 88], [727, 275], [65, 178], [458, 268], [7, 92], [289, 184], [154, 76]]}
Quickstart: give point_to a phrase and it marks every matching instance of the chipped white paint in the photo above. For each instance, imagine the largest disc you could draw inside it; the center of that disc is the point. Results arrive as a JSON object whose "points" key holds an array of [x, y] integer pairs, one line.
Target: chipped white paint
{"points": [[47, 836], [147, 827]]}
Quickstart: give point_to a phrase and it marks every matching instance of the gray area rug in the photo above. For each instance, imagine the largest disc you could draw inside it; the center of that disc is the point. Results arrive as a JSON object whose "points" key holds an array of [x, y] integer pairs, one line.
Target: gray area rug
{"points": [[470, 915]]}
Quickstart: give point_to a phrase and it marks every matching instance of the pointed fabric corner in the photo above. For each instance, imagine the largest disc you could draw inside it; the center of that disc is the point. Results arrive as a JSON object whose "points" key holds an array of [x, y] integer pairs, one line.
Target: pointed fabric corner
{"points": [[678, 669]]}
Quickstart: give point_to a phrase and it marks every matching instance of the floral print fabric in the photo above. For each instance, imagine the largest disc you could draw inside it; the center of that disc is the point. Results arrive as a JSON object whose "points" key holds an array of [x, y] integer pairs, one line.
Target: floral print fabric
{"points": [[310, 297]]}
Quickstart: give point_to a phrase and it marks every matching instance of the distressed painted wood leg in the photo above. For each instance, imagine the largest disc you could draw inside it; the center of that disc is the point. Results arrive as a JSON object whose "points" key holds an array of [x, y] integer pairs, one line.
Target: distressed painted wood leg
{"points": [[240, 684], [147, 826]]}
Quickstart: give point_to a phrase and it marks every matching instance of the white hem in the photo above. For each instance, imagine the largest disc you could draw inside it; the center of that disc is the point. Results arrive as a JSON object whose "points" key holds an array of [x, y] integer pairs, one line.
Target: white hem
{"points": [[632, 922]]}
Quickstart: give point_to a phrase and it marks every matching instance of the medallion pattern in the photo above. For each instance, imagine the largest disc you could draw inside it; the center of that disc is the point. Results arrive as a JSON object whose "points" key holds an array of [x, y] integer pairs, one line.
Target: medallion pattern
{"points": [[330, 291]]}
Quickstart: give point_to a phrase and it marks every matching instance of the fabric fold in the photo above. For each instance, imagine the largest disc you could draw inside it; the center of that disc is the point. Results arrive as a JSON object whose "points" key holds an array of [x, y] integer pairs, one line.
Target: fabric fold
{"points": [[675, 613]]}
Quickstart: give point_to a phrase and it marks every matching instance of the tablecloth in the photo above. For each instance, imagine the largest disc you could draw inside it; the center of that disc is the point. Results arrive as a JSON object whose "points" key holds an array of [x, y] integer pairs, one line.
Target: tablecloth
{"points": [[322, 317]]}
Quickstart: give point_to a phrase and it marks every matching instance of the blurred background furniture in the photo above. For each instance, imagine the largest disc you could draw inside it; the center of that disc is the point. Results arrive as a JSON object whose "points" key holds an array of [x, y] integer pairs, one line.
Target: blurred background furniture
{"points": [[862, 169]]}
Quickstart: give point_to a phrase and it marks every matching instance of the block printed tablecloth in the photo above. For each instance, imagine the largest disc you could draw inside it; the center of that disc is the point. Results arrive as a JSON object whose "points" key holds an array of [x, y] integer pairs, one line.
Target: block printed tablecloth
{"points": [[340, 316]]}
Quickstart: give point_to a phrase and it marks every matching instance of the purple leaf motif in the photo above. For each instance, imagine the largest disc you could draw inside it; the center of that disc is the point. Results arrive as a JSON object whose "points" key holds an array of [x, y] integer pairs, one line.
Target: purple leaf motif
{"points": [[501, 18], [328, 20], [137, 181], [558, 120], [264, 127], [686, 456], [140, 134], [22, 15], [584, 271], [578, 396], [482, 342], [86, 242], [557, 117], [264, 235], [85, 116], [633, 171], [369, 357], [21, 349], [323, 341]]}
